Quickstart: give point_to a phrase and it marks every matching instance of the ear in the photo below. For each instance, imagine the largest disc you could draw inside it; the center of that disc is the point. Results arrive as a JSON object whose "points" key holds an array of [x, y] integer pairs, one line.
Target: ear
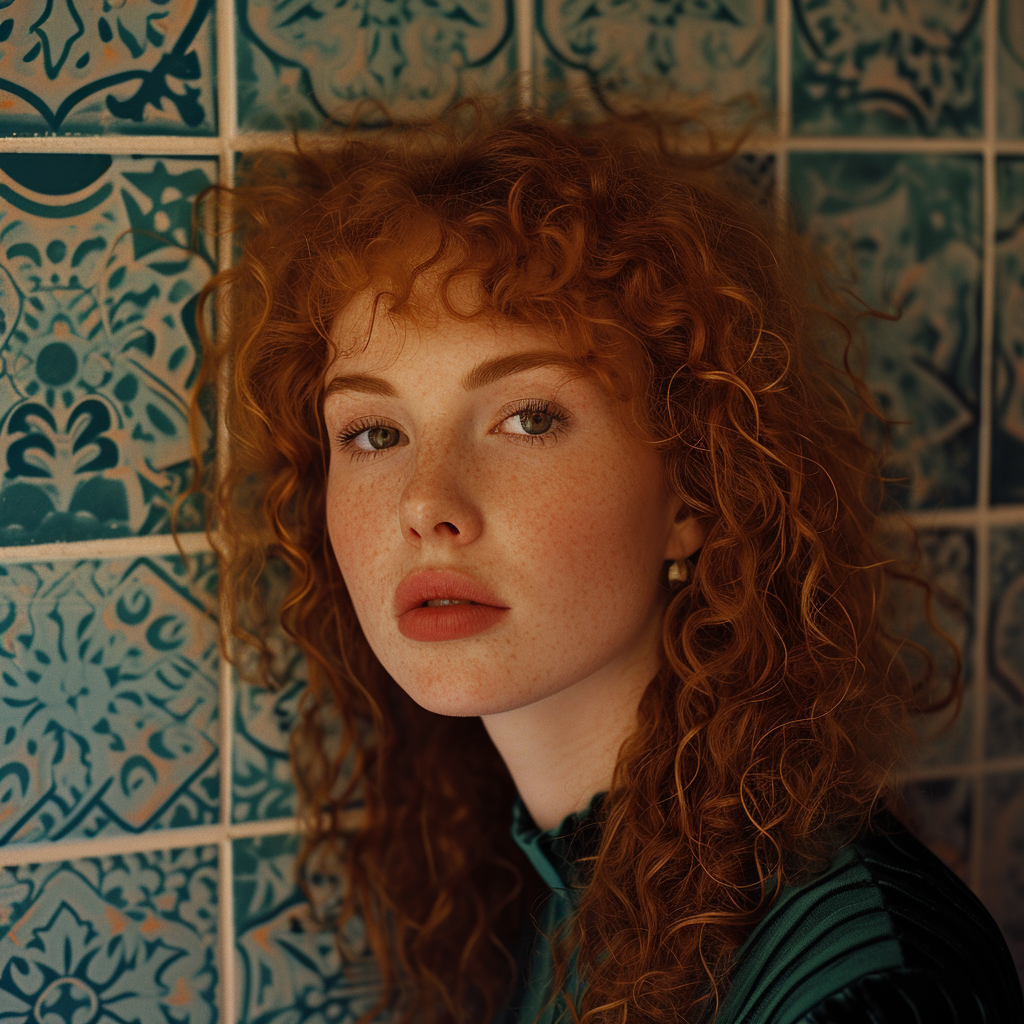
{"points": [[687, 536]]}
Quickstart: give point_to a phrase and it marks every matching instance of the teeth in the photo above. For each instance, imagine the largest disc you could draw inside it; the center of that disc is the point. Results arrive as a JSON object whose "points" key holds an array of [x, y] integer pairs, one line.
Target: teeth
{"points": [[440, 602]]}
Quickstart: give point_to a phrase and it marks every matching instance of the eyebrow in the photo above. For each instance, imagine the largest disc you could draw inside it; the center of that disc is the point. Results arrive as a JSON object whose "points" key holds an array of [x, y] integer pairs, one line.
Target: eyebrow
{"points": [[487, 372]]}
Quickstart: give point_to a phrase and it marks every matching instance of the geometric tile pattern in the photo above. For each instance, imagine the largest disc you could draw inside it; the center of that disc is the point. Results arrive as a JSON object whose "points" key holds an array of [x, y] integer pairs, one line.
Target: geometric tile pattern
{"points": [[870, 67], [303, 63], [648, 51], [288, 965], [78, 66], [1008, 348], [98, 342], [905, 231], [110, 698], [112, 695], [110, 939]]}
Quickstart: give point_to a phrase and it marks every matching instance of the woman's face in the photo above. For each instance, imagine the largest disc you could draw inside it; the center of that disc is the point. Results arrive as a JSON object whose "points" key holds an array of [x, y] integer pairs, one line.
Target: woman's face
{"points": [[527, 483]]}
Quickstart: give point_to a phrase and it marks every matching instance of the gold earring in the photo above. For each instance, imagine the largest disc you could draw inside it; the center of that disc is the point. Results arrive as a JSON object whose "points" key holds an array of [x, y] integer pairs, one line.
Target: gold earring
{"points": [[679, 571]]}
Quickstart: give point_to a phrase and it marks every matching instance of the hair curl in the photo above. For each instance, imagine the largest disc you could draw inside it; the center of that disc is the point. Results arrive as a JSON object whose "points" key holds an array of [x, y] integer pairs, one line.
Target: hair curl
{"points": [[786, 695]]}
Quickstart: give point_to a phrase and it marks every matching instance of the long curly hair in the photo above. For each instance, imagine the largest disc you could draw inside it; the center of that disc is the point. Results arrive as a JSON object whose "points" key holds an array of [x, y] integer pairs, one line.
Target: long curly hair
{"points": [[788, 689]]}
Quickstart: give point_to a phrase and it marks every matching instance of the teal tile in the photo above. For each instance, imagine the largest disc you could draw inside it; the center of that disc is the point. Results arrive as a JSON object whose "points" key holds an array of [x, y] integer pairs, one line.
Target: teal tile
{"points": [[288, 964], [904, 232], [262, 785], [621, 53], [1008, 382], [1010, 69], [940, 814], [948, 562], [105, 939], [98, 343], [1002, 886], [82, 67], [1005, 646], [870, 67], [109, 673], [302, 63]]}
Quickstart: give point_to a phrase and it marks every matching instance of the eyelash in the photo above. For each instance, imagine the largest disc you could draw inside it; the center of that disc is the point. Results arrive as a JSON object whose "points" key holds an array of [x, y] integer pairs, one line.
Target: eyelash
{"points": [[346, 438]]}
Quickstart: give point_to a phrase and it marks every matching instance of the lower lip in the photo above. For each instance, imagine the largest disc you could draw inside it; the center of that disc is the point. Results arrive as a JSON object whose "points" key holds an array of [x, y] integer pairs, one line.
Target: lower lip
{"points": [[448, 622]]}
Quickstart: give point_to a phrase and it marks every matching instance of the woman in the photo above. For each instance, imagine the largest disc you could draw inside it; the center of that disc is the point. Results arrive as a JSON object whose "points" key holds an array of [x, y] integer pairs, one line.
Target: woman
{"points": [[556, 435]]}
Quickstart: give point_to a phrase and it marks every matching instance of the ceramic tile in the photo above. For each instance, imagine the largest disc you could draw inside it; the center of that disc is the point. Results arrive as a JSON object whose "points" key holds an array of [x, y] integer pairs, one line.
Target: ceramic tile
{"points": [[109, 694], [98, 347], [1008, 361], [304, 62], [940, 816], [79, 66], [1005, 646], [905, 233], [1010, 69], [288, 964], [1002, 886], [617, 53], [870, 67], [110, 939], [948, 561]]}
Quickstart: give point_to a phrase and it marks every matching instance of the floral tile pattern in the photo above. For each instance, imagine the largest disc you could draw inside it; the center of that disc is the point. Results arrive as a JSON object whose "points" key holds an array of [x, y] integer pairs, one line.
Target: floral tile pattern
{"points": [[1002, 886], [1005, 649], [84, 67], [905, 232], [109, 698], [288, 965], [97, 341], [644, 50], [1008, 412], [1010, 65], [940, 816], [110, 939], [303, 63], [869, 67], [948, 561]]}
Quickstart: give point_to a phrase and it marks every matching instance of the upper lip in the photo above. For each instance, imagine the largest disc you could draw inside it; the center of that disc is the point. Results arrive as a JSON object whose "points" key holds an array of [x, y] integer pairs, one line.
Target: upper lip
{"points": [[434, 584]]}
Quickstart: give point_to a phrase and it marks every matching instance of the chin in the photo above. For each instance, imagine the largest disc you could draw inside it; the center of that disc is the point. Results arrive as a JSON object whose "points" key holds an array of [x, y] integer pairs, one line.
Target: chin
{"points": [[445, 697]]}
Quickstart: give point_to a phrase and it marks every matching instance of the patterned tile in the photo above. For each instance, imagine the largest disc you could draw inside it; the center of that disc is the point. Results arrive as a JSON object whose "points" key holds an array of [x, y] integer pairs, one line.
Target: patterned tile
{"points": [[98, 346], [949, 563], [940, 816], [262, 778], [1008, 411], [303, 62], [109, 696], [107, 939], [870, 67], [288, 965], [1010, 69], [905, 231], [1002, 886], [79, 66], [1005, 653], [644, 50]]}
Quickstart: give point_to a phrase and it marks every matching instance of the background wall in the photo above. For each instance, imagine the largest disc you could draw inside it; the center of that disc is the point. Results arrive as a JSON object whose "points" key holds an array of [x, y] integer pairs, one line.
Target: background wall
{"points": [[145, 807]]}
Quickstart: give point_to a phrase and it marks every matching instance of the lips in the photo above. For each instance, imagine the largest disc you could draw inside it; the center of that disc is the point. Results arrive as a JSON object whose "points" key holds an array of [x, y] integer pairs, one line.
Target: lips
{"points": [[440, 584]]}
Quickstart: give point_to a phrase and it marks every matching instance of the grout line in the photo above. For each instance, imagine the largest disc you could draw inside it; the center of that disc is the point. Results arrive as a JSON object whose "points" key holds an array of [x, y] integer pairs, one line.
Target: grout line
{"points": [[155, 545], [150, 841], [973, 769], [116, 145], [983, 549], [972, 516], [227, 124], [524, 51], [897, 144], [784, 102]]}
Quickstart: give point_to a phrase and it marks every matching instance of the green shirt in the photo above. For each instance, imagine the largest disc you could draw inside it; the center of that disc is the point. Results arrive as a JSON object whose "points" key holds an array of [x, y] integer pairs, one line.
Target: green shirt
{"points": [[887, 935]]}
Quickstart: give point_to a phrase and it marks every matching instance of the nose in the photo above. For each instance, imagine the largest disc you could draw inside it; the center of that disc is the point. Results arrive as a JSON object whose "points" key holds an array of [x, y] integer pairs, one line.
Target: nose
{"points": [[438, 504]]}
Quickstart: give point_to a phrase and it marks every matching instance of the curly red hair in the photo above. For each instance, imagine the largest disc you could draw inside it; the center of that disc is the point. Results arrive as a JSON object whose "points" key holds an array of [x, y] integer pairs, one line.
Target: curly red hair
{"points": [[786, 694]]}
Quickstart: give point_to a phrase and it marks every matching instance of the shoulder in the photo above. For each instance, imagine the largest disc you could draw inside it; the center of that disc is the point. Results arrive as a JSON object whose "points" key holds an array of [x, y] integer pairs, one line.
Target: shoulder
{"points": [[887, 934]]}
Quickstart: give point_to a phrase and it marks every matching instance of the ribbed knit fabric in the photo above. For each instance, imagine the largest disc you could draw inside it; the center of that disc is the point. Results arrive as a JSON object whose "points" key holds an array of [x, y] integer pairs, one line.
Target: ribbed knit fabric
{"points": [[887, 935]]}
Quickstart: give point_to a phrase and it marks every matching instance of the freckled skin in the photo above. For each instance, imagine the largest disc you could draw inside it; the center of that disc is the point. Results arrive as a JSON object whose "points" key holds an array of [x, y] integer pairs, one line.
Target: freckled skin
{"points": [[570, 534]]}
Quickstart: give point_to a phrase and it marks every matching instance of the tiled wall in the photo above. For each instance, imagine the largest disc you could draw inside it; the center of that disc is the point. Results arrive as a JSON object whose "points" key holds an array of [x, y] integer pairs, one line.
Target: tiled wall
{"points": [[145, 803]]}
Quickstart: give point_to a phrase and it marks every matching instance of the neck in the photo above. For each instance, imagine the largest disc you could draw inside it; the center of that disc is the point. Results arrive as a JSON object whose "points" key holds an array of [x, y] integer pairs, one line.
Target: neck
{"points": [[561, 750]]}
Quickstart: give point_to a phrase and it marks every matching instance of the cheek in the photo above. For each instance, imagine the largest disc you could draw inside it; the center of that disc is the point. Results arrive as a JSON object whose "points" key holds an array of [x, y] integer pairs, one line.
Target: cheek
{"points": [[356, 524]]}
